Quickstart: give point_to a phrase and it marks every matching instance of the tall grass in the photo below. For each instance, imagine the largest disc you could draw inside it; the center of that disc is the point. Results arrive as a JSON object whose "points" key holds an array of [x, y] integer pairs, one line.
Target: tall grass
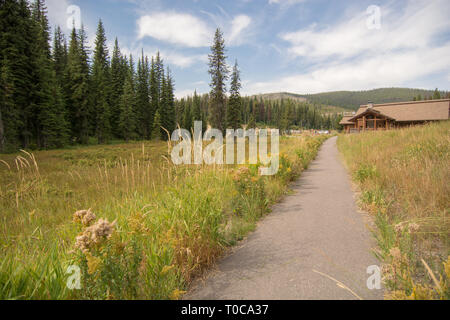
{"points": [[170, 222], [404, 180]]}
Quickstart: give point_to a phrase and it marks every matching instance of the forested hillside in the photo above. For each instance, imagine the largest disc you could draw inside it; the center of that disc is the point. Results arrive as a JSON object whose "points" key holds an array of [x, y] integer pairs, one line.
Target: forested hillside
{"points": [[339, 101], [353, 99], [281, 95]]}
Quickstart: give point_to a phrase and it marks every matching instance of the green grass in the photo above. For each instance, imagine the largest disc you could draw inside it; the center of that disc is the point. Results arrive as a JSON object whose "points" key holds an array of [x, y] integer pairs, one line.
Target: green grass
{"points": [[403, 176], [171, 222]]}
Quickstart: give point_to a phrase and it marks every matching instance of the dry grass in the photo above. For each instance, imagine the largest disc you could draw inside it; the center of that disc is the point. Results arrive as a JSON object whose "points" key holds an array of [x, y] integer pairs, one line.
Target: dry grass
{"points": [[403, 176], [171, 222]]}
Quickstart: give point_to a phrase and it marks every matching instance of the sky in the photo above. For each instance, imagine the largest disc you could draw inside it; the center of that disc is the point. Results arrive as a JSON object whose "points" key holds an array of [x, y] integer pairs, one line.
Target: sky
{"points": [[298, 46]]}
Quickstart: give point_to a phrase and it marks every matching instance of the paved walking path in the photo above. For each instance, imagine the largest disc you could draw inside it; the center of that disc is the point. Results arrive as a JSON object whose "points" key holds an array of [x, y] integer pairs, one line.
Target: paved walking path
{"points": [[313, 239]]}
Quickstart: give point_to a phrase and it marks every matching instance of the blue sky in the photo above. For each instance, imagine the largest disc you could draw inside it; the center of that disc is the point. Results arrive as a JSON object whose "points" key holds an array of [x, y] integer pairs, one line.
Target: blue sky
{"points": [[300, 46]]}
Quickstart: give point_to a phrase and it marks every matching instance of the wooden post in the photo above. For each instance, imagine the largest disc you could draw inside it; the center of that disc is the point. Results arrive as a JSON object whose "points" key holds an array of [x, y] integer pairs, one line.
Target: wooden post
{"points": [[375, 123], [364, 123], [387, 124]]}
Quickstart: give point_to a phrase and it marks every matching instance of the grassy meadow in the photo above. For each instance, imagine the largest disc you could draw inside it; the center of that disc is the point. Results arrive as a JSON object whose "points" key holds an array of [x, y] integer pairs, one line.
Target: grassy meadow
{"points": [[403, 176], [152, 227]]}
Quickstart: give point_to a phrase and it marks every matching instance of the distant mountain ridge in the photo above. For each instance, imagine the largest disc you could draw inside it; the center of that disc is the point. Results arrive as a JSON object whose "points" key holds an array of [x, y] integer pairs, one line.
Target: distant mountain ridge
{"points": [[353, 99], [281, 95]]}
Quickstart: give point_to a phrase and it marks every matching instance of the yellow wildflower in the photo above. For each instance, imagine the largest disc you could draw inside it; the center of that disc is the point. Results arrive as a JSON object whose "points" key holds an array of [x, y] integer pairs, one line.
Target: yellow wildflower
{"points": [[93, 263], [166, 269], [176, 294]]}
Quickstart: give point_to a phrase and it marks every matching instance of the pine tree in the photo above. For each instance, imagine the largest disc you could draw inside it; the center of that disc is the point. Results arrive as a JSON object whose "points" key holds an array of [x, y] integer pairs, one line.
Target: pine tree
{"points": [[154, 86], [117, 86], [187, 118], [9, 119], [197, 113], [167, 104], [284, 121], [169, 122], [72, 78], [436, 94], [127, 121], [234, 103], [51, 94], [59, 55], [159, 73], [143, 111], [251, 122], [219, 74], [50, 125], [77, 87], [55, 126], [156, 132], [15, 67], [100, 85], [163, 110]]}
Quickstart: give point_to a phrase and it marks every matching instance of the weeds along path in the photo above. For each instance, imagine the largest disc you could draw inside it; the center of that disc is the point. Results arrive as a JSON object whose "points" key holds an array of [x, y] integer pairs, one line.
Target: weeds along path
{"points": [[314, 245]]}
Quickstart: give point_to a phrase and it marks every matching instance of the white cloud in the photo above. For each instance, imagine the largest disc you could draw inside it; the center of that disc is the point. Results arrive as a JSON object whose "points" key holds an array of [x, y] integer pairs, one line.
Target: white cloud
{"points": [[235, 29], [177, 28], [349, 56], [414, 28], [58, 16], [183, 61], [238, 25], [285, 2], [57, 12], [171, 58], [385, 70]]}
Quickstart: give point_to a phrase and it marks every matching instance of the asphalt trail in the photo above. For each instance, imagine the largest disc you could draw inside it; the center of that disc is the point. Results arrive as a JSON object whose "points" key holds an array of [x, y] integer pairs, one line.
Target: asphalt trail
{"points": [[312, 240]]}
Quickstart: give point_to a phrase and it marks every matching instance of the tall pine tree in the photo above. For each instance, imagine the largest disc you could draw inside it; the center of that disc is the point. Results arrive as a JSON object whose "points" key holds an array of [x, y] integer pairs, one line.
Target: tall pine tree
{"points": [[50, 127], [127, 104], [77, 87], [144, 113], [219, 74], [197, 112], [118, 75], [16, 83], [234, 103], [100, 87], [154, 89]]}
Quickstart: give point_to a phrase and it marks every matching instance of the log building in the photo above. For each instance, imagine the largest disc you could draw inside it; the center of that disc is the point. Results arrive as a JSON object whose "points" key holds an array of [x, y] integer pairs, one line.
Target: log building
{"points": [[396, 115]]}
